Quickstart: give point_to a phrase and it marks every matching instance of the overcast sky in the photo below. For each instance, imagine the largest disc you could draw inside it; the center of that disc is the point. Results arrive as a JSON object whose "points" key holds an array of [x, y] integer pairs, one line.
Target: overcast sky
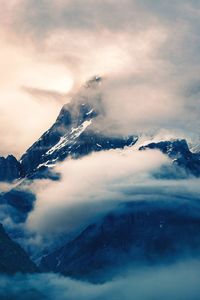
{"points": [[148, 50]]}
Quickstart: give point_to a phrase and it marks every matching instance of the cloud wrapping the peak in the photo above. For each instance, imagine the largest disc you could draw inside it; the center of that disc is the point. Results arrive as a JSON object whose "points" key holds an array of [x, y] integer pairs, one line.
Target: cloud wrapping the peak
{"points": [[148, 51]]}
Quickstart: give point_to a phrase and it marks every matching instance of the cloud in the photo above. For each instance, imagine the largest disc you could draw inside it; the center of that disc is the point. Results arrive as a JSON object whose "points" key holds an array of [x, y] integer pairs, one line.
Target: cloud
{"points": [[89, 188], [179, 281], [5, 187], [148, 53], [97, 184], [23, 119], [46, 95]]}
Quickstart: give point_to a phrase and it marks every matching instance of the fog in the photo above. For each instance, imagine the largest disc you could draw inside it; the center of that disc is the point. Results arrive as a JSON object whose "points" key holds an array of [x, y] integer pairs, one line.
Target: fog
{"points": [[178, 282], [89, 186]]}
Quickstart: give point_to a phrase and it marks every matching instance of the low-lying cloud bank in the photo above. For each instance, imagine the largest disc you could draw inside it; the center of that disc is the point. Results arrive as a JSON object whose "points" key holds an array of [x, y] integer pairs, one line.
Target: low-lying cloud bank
{"points": [[94, 185], [177, 282], [89, 187]]}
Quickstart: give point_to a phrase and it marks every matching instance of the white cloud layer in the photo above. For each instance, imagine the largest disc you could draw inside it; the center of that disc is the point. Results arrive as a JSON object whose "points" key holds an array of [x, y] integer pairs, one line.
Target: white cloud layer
{"points": [[89, 187]]}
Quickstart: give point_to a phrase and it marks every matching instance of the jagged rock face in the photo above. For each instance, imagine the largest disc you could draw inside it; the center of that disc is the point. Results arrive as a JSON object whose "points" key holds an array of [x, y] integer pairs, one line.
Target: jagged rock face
{"points": [[32, 158], [10, 169], [178, 151], [13, 258], [22, 200], [74, 134], [72, 121], [71, 135], [144, 233]]}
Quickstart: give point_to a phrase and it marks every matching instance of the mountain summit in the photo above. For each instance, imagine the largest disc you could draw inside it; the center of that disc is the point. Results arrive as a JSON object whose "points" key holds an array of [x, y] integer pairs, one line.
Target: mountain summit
{"points": [[76, 133]]}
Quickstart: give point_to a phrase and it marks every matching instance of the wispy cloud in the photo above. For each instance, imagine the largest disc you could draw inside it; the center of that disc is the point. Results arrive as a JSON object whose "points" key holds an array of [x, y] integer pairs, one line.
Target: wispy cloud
{"points": [[90, 187], [148, 51]]}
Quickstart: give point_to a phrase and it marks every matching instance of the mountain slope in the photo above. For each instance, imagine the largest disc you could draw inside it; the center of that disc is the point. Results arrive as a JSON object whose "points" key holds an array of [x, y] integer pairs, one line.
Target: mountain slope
{"points": [[178, 151], [10, 169], [13, 258], [143, 233], [73, 134]]}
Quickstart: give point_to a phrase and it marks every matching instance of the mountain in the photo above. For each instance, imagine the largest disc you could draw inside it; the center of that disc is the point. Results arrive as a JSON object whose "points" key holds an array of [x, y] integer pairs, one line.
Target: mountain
{"points": [[13, 258], [74, 134], [10, 169], [178, 151], [143, 233], [21, 199]]}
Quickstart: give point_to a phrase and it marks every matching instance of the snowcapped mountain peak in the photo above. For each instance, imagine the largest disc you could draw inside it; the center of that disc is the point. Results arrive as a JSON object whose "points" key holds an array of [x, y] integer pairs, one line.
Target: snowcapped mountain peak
{"points": [[69, 137], [88, 99], [74, 132]]}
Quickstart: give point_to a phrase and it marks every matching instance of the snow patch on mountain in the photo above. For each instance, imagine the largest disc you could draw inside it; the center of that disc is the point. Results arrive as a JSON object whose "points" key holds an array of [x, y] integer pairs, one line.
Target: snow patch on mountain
{"points": [[68, 137]]}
